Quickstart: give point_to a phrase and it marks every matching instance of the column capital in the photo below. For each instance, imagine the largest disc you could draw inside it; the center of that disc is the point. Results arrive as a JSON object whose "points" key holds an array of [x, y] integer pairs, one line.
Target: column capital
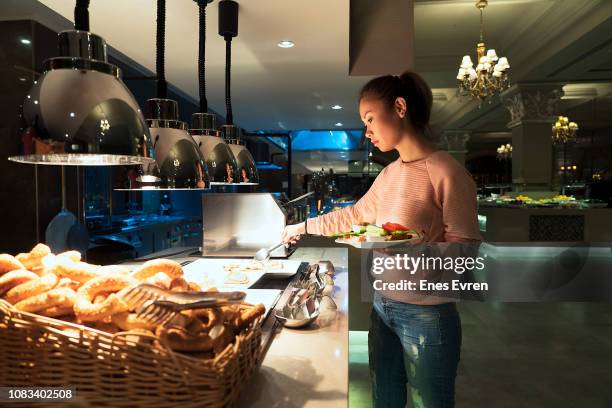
{"points": [[455, 140], [531, 102]]}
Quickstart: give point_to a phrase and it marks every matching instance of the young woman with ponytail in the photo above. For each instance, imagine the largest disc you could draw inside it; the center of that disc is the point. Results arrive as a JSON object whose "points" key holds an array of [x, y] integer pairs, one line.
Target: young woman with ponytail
{"points": [[413, 341]]}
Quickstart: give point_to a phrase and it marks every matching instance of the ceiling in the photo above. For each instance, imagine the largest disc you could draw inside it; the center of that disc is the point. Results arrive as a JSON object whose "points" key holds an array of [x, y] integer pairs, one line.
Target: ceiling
{"points": [[288, 89]]}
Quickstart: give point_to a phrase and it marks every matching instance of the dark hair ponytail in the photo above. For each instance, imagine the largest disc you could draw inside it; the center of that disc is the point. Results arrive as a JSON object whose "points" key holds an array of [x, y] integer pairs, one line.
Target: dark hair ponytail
{"points": [[410, 86]]}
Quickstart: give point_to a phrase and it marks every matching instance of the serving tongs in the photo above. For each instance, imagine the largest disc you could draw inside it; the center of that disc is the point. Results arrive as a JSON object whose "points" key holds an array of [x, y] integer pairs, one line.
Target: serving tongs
{"points": [[158, 306]]}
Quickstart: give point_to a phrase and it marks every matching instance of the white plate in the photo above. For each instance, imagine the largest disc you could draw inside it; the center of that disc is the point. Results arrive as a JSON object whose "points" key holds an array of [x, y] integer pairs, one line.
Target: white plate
{"points": [[376, 244]]}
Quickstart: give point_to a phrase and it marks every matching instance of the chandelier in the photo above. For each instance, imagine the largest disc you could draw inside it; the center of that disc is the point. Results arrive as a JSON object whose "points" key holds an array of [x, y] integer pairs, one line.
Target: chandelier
{"points": [[491, 73], [563, 130], [504, 152]]}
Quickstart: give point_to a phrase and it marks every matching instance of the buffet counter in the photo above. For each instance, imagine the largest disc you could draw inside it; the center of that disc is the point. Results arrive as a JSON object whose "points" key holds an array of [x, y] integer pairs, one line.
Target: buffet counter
{"points": [[307, 366], [527, 224]]}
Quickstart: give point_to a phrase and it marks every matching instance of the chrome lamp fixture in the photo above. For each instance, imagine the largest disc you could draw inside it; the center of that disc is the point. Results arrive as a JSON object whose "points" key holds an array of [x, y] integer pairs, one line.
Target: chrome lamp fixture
{"points": [[220, 161], [563, 130], [247, 170], [216, 153], [490, 76], [79, 112], [228, 28], [179, 163]]}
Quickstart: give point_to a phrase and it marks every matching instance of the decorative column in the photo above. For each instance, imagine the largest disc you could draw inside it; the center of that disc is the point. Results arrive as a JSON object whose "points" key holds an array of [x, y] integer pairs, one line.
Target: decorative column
{"points": [[455, 142], [532, 112]]}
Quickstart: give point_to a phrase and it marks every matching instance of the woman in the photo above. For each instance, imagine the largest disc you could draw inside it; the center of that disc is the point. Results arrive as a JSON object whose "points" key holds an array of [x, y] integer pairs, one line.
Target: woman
{"points": [[429, 191]]}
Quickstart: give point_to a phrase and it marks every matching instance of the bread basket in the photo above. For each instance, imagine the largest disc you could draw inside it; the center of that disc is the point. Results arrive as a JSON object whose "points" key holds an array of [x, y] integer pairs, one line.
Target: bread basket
{"points": [[124, 369]]}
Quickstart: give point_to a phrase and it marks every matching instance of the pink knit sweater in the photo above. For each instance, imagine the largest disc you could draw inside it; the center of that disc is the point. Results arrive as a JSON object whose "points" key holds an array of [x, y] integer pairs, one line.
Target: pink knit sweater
{"points": [[435, 195]]}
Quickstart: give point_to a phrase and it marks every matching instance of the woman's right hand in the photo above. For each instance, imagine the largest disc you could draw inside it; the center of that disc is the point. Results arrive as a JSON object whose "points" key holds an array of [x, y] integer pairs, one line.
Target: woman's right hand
{"points": [[292, 233]]}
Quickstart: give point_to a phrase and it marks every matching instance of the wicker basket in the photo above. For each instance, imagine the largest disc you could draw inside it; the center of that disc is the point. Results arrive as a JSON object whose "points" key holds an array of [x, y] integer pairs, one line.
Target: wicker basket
{"points": [[122, 369]]}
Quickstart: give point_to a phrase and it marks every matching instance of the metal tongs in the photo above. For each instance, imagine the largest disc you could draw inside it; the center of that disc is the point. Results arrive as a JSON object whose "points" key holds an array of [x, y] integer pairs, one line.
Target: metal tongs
{"points": [[158, 306]]}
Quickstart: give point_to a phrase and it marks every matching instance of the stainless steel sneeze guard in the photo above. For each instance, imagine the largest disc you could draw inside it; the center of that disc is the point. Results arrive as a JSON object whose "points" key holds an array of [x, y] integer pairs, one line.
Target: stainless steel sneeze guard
{"points": [[239, 224]]}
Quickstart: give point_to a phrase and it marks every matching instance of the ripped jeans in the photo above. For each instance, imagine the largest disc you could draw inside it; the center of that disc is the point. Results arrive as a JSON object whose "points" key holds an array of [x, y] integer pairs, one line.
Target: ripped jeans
{"points": [[415, 345]]}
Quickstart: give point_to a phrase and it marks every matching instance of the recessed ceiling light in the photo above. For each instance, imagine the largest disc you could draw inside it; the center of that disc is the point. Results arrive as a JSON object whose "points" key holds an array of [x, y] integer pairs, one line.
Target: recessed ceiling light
{"points": [[25, 41], [22, 79], [336, 107], [286, 44], [339, 124]]}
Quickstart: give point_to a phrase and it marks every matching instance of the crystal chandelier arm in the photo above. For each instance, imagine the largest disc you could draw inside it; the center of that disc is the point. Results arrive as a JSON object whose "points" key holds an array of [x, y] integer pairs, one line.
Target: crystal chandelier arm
{"points": [[481, 25]]}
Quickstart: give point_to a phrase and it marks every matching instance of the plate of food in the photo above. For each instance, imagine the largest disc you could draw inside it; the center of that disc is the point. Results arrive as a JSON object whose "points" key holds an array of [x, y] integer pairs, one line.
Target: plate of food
{"points": [[235, 272], [368, 236], [215, 273], [279, 268]]}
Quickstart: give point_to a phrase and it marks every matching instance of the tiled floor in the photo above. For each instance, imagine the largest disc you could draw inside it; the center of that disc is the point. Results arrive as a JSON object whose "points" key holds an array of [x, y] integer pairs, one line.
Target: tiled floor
{"points": [[521, 355]]}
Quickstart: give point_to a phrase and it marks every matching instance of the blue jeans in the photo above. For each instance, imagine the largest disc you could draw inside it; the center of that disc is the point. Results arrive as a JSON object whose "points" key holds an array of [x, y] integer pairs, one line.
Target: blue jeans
{"points": [[418, 345]]}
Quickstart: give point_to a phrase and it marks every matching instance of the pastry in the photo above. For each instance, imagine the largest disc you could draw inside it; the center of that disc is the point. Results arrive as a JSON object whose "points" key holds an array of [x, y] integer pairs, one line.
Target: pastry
{"points": [[9, 263], [86, 310], [78, 271], [129, 321], [13, 278], [33, 258], [171, 268], [31, 288], [61, 297]]}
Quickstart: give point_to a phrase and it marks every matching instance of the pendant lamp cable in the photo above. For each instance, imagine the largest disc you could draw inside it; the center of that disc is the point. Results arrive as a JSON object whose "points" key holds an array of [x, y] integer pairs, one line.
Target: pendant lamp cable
{"points": [[162, 86], [229, 117], [202, 55], [81, 15], [228, 29]]}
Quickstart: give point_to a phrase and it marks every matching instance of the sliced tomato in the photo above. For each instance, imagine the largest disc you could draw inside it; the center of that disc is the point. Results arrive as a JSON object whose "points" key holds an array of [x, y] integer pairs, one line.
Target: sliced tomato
{"points": [[390, 227]]}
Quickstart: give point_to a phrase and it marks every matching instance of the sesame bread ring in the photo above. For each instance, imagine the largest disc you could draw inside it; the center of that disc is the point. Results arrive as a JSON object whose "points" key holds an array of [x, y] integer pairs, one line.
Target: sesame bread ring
{"points": [[74, 256], [160, 279], [40, 270], [57, 311], [86, 310], [68, 283], [48, 262], [55, 297], [181, 339], [248, 313], [179, 285], [194, 287], [33, 258], [31, 288], [242, 316], [9, 263], [101, 297], [40, 250], [78, 271], [128, 321], [13, 278], [230, 314], [171, 268], [209, 317]]}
